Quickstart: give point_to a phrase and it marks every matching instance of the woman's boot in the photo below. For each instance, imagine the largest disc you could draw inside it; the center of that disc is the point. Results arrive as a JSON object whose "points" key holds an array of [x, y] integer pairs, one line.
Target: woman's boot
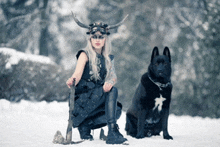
{"points": [[114, 136], [85, 130]]}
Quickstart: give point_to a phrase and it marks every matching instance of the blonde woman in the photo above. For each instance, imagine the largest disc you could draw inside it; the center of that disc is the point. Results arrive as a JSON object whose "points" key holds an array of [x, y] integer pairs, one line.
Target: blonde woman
{"points": [[95, 95]]}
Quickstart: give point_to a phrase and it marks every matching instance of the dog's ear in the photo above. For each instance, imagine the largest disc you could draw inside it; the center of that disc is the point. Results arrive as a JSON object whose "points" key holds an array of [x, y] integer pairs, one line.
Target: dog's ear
{"points": [[166, 52], [155, 53]]}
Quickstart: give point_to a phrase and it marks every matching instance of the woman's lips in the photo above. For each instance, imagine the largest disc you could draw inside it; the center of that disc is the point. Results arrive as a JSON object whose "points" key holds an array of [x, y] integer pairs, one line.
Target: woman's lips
{"points": [[98, 44]]}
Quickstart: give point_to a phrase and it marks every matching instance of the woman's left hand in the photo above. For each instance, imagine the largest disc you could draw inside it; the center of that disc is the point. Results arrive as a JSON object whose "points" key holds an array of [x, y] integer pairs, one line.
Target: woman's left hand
{"points": [[107, 87]]}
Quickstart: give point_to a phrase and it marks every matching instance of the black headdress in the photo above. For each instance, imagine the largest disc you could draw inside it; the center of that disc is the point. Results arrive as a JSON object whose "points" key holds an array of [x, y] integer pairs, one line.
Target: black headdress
{"points": [[95, 27]]}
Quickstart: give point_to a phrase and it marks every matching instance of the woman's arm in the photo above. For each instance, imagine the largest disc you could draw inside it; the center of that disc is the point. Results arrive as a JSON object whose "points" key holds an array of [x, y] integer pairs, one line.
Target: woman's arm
{"points": [[79, 69], [111, 79]]}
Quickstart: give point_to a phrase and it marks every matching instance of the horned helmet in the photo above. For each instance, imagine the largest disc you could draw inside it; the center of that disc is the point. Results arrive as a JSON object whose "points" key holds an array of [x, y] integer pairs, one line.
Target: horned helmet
{"points": [[98, 26]]}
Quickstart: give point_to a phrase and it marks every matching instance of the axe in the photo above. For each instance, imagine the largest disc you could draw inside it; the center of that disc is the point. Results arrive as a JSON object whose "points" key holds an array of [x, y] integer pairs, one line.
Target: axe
{"points": [[71, 107], [58, 138]]}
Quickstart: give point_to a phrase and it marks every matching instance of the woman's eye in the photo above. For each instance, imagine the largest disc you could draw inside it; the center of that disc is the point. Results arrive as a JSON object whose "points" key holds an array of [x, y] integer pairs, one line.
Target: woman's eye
{"points": [[94, 37]]}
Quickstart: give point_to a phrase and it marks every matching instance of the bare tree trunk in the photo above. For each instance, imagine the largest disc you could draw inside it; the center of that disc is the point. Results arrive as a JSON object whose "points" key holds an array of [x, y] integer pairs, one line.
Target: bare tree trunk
{"points": [[43, 44]]}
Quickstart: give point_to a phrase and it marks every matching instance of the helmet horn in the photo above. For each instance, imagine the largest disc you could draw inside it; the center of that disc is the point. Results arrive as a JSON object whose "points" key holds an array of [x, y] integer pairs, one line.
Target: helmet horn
{"points": [[79, 23], [118, 24]]}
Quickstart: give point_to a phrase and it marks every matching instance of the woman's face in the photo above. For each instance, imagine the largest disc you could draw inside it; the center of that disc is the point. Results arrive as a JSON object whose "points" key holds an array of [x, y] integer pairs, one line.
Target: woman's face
{"points": [[98, 40]]}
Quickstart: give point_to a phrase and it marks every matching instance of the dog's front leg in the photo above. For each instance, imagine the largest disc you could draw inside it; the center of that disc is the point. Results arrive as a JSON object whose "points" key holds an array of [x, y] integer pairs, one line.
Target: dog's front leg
{"points": [[141, 123], [165, 125]]}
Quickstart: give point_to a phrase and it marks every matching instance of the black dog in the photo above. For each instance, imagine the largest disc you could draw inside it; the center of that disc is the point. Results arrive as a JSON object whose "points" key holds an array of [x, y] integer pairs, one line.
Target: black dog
{"points": [[148, 114]]}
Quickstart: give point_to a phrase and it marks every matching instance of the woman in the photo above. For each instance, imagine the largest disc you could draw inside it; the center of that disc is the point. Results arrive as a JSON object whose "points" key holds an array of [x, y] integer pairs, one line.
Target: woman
{"points": [[95, 95]]}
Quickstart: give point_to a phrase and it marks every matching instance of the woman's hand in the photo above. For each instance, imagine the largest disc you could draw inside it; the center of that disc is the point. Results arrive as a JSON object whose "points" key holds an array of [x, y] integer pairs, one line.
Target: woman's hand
{"points": [[107, 87], [69, 82]]}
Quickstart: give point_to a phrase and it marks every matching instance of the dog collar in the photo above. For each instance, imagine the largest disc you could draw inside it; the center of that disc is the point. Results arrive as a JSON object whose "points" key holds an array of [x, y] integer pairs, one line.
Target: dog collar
{"points": [[160, 85]]}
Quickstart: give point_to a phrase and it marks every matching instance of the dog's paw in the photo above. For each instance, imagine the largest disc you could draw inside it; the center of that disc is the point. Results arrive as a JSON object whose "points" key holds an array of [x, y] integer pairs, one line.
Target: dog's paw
{"points": [[168, 137], [139, 136]]}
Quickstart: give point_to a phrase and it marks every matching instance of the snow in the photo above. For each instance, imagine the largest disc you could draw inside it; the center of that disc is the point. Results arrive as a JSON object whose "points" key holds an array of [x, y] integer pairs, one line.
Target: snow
{"points": [[30, 124], [16, 56]]}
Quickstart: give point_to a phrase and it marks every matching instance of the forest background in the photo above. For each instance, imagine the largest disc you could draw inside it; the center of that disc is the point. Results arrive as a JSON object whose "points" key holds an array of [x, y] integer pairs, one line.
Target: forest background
{"points": [[190, 28]]}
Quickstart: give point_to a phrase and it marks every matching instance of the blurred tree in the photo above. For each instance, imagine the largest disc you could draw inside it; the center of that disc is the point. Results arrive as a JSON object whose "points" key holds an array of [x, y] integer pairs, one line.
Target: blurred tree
{"points": [[44, 28], [27, 27], [206, 51], [197, 64], [20, 18]]}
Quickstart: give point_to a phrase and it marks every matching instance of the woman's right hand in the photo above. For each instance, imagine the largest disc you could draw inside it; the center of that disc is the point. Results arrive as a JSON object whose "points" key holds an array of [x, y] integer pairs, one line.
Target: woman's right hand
{"points": [[69, 82], [107, 87]]}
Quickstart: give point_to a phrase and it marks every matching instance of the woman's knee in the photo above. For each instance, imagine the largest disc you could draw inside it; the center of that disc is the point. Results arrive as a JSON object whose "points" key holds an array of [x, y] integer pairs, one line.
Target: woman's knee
{"points": [[114, 90]]}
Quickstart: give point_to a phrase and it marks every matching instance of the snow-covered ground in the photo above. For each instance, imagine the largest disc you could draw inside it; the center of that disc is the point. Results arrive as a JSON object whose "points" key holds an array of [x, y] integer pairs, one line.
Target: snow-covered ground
{"points": [[29, 124]]}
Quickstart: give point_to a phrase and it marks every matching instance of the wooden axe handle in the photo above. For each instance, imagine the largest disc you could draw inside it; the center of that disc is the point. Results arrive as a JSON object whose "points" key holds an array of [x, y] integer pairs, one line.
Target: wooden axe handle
{"points": [[71, 107]]}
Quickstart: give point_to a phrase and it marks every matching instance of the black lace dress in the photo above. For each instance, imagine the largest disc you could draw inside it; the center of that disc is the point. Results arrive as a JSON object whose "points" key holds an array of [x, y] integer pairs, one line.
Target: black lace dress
{"points": [[89, 94]]}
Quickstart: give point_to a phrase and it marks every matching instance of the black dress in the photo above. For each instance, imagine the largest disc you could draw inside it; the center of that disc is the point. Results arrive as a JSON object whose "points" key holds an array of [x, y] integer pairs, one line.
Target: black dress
{"points": [[89, 94]]}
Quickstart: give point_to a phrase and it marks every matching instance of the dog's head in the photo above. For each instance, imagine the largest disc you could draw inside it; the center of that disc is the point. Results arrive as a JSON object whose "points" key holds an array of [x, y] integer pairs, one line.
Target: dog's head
{"points": [[160, 67]]}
